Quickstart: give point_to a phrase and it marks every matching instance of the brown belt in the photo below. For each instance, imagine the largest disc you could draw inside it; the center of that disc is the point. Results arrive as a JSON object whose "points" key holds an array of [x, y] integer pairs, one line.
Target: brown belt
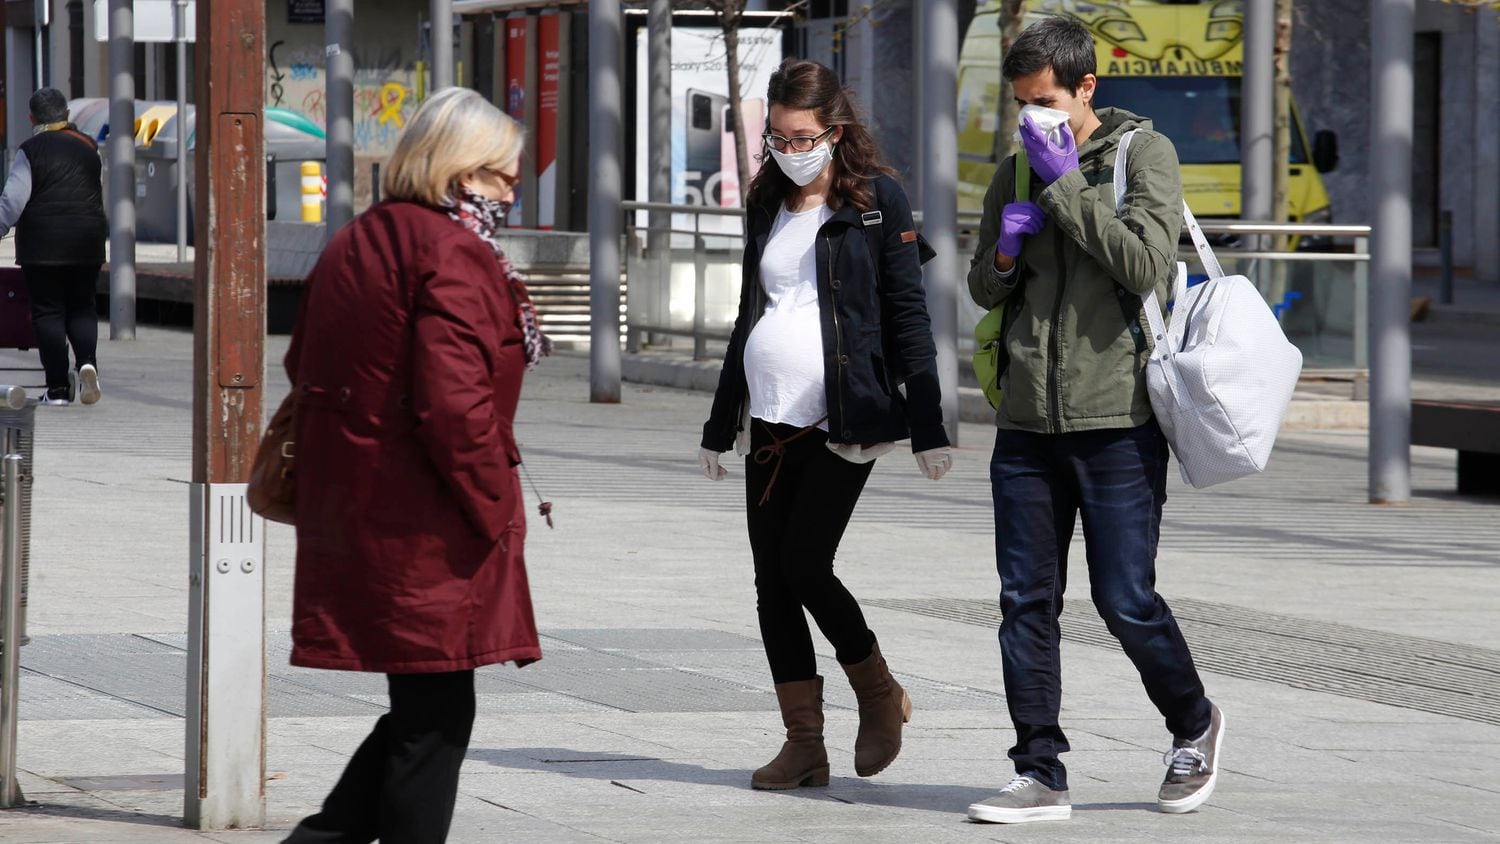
{"points": [[777, 450]]}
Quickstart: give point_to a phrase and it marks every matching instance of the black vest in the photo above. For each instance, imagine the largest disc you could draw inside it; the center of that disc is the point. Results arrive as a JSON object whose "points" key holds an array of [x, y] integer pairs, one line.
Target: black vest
{"points": [[63, 222]]}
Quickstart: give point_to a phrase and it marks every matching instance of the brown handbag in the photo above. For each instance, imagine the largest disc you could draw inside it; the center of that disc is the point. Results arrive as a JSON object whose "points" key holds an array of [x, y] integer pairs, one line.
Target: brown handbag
{"points": [[273, 485]]}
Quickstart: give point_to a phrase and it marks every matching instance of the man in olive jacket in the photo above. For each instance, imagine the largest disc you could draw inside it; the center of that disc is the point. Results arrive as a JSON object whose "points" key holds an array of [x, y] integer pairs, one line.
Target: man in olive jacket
{"points": [[1076, 432]]}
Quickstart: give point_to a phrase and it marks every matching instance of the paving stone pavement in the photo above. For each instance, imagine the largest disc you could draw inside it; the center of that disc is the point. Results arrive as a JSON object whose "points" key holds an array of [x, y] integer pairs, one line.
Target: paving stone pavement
{"points": [[1355, 650]]}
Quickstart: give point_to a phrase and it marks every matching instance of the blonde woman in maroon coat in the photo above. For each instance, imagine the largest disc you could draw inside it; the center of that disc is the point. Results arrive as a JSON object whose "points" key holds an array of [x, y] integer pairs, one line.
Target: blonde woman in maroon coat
{"points": [[407, 358]]}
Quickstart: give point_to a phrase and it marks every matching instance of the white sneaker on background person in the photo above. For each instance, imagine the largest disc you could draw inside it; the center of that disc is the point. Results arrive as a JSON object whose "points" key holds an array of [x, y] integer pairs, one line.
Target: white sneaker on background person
{"points": [[88, 391]]}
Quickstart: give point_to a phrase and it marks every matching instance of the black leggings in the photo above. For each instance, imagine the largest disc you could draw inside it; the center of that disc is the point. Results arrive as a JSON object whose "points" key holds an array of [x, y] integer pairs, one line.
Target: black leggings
{"points": [[401, 785], [793, 537], [63, 311]]}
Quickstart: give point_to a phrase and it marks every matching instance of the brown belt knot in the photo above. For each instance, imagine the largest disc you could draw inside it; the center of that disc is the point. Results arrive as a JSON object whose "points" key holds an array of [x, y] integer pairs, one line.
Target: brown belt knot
{"points": [[776, 450]]}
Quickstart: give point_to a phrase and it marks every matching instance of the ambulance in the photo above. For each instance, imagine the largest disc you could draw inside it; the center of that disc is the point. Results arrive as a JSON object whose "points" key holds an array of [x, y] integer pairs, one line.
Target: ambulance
{"points": [[1178, 63]]}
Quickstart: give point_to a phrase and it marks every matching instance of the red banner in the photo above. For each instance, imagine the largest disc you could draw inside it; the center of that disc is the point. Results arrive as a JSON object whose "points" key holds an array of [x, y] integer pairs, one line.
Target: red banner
{"points": [[549, 55]]}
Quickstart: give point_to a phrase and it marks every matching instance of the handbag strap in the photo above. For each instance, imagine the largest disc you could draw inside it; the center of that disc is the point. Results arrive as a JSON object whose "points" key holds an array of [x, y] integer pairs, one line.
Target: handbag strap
{"points": [[1151, 304], [1200, 242]]}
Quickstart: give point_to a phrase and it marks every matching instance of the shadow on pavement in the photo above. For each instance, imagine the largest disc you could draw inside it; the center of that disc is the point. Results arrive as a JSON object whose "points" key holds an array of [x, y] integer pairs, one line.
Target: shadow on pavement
{"points": [[46, 808], [625, 770]]}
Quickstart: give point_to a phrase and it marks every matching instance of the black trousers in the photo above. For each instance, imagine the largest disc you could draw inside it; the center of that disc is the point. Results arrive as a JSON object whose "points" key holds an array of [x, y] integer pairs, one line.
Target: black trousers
{"points": [[401, 785], [63, 312], [793, 537]]}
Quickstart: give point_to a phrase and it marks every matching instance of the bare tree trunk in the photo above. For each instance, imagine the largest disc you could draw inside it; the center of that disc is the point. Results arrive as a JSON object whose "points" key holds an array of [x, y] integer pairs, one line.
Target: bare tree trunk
{"points": [[1281, 145], [737, 119], [1012, 14], [966, 10]]}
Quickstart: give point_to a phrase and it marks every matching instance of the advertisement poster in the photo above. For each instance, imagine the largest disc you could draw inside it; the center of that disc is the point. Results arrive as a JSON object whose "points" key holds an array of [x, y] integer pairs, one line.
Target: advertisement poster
{"points": [[515, 88], [549, 51], [704, 169]]}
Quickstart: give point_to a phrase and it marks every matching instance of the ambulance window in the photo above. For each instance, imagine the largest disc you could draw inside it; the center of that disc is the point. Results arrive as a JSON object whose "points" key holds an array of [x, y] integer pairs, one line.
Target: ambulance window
{"points": [[1201, 114]]}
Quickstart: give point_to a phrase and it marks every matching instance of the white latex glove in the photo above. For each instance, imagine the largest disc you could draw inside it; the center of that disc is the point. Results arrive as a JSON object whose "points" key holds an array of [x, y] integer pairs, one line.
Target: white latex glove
{"points": [[708, 461], [935, 462]]}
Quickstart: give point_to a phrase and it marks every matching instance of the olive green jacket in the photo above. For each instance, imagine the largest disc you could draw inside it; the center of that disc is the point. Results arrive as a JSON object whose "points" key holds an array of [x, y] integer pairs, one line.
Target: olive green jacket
{"points": [[1076, 335]]}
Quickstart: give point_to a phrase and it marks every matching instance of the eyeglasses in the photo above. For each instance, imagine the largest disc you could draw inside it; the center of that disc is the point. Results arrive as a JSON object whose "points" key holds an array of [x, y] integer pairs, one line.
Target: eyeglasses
{"points": [[509, 180], [801, 143]]}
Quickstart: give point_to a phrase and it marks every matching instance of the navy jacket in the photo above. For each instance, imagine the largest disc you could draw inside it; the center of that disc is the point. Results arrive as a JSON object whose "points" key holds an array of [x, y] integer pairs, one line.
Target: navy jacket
{"points": [[876, 334]]}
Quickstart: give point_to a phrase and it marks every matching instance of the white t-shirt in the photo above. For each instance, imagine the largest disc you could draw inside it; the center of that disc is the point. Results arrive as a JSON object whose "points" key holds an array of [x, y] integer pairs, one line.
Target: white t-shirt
{"points": [[784, 354]]}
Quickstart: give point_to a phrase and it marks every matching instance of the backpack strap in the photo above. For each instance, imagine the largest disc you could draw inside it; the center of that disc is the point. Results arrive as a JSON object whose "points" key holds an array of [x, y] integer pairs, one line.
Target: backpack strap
{"points": [[874, 236]]}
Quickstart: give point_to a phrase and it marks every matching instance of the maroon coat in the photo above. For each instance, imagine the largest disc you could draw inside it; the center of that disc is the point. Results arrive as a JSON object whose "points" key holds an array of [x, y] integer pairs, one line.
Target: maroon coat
{"points": [[408, 360]]}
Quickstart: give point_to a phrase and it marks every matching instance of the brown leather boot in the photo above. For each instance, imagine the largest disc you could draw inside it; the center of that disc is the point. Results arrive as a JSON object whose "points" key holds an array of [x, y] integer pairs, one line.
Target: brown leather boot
{"points": [[803, 760], [883, 708]]}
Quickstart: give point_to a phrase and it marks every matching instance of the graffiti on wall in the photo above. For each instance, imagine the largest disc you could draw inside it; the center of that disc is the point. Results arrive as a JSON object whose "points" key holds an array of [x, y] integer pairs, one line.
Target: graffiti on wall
{"points": [[296, 79]]}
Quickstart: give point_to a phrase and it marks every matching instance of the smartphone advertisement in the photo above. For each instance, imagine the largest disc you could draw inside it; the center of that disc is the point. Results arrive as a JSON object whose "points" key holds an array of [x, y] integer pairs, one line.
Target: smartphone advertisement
{"points": [[704, 162], [515, 90]]}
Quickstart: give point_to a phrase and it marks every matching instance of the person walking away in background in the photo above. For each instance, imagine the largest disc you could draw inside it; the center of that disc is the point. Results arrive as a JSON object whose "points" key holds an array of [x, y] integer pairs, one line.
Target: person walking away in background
{"points": [[54, 198]]}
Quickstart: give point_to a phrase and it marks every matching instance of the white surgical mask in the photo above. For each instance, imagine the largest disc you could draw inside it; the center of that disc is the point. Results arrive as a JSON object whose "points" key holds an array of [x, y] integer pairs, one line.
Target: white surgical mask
{"points": [[1049, 120], [803, 167]]}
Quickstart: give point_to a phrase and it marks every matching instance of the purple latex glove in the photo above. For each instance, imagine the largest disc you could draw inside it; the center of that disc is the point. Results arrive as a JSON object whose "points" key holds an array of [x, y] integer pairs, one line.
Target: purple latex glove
{"points": [[1017, 221], [1050, 162]]}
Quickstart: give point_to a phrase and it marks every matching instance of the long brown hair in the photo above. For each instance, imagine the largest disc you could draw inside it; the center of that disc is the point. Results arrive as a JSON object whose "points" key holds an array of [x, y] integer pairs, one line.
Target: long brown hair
{"points": [[806, 85]]}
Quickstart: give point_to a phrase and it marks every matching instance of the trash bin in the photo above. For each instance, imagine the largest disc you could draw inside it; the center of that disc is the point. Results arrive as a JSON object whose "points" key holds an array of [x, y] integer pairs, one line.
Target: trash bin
{"points": [[19, 427], [156, 182], [290, 140]]}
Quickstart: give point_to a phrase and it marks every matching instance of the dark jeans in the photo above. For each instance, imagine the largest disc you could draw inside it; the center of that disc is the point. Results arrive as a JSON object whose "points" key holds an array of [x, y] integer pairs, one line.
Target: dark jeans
{"points": [[793, 537], [63, 312], [401, 785], [1117, 480]]}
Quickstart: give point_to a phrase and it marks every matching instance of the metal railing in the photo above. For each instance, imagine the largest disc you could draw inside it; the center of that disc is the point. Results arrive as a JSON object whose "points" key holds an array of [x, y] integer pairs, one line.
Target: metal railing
{"points": [[688, 285], [651, 264]]}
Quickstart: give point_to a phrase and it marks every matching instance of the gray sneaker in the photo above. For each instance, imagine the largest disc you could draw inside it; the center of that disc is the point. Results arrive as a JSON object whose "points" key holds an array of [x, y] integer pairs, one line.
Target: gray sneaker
{"points": [[1192, 769], [1023, 799]]}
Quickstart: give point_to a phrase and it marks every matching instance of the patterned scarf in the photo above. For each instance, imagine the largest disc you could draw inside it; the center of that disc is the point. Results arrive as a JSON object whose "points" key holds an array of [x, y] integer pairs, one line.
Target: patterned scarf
{"points": [[485, 218]]}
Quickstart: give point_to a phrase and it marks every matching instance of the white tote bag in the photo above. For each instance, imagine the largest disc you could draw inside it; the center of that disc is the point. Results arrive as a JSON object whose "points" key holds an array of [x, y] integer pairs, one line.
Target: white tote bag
{"points": [[1222, 372]]}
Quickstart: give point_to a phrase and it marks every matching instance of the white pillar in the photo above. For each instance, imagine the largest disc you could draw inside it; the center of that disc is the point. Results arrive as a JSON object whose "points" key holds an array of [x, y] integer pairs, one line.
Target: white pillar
{"points": [[1258, 112], [442, 44], [1392, 88], [121, 150], [937, 39], [606, 181]]}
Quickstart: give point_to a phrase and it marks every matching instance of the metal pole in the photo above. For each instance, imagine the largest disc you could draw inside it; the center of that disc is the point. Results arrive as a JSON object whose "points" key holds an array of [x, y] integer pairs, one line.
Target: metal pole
{"points": [[121, 170], [442, 44], [1392, 56], [1362, 307], [10, 635], [225, 751], [1258, 113], [606, 141], [937, 36], [659, 152], [338, 31], [700, 293], [1445, 253], [180, 30], [43, 15]]}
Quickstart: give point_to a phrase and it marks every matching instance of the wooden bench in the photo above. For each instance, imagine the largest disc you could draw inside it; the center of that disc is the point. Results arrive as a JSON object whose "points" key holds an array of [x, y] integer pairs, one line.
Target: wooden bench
{"points": [[1470, 427]]}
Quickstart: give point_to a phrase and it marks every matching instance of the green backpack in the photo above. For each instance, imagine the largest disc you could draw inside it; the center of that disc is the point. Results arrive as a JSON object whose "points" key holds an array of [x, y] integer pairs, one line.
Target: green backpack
{"points": [[990, 356]]}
